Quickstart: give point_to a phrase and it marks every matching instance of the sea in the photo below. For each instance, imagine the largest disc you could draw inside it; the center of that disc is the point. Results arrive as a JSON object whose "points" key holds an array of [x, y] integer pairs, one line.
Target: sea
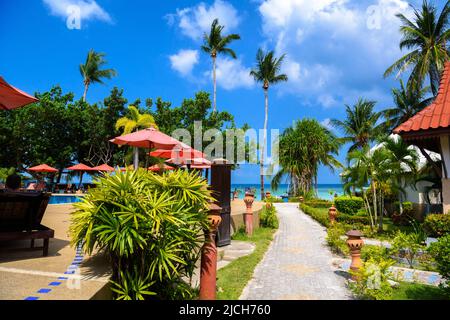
{"points": [[324, 191]]}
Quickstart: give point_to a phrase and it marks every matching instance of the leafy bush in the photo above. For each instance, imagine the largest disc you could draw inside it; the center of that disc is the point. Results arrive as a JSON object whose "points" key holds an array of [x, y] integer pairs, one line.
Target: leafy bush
{"points": [[268, 217], [5, 172], [353, 219], [377, 253], [334, 240], [319, 215], [407, 246], [318, 203], [294, 199], [406, 217], [150, 226], [348, 205], [440, 251], [437, 225], [372, 283], [273, 199]]}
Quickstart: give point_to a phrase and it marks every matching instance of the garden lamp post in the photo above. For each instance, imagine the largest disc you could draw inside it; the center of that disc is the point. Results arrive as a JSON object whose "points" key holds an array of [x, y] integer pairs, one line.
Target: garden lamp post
{"points": [[208, 269], [355, 244], [332, 213], [248, 200]]}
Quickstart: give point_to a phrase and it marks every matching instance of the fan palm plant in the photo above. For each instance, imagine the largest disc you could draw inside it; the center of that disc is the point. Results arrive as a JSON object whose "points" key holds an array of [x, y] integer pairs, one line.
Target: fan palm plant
{"points": [[215, 43], [267, 72], [133, 122], [407, 103], [91, 70], [426, 35], [360, 126]]}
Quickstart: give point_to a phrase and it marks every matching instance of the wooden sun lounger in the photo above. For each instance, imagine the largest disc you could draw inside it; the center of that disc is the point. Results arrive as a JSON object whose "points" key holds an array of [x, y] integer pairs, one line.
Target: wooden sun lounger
{"points": [[21, 214]]}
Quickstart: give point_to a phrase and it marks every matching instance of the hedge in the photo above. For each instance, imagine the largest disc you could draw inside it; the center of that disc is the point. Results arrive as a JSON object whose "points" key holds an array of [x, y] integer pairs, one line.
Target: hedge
{"points": [[352, 219], [318, 203], [348, 205], [437, 225], [320, 216]]}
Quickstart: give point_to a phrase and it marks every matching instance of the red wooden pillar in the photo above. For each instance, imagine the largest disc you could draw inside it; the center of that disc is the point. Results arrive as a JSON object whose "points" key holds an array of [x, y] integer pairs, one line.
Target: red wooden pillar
{"points": [[208, 269]]}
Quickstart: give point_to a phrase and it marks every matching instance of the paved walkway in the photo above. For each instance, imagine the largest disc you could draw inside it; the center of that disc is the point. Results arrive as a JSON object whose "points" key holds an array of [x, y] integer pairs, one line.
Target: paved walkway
{"points": [[298, 264]]}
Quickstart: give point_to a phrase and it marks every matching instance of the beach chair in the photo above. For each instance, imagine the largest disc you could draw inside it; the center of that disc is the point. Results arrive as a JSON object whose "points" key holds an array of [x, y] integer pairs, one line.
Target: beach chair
{"points": [[21, 214]]}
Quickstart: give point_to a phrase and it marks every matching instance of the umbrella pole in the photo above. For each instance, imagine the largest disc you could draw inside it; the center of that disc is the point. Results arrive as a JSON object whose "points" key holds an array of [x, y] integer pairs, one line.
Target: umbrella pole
{"points": [[81, 180], [136, 158]]}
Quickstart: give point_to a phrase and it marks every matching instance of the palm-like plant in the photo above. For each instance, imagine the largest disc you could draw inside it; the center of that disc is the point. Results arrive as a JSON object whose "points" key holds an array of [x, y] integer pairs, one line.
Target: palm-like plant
{"points": [[427, 36], [360, 126], [407, 103], [267, 72], [133, 122], [213, 44], [91, 70], [303, 148]]}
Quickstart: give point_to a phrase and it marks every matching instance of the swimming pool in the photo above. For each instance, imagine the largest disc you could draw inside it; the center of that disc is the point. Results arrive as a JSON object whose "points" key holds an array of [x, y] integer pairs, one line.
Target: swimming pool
{"points": [[63, 199]]}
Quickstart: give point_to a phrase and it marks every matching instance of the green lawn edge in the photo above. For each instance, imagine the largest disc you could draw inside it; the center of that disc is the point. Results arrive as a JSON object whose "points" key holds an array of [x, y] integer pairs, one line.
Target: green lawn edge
{"points": [[232, 279]]}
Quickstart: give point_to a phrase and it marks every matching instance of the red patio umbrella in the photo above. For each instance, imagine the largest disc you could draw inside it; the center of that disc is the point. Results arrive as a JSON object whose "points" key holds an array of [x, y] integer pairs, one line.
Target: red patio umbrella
{"points": [[103, 167], [149, 138], [158, 167], [43, 168], [82, 168], [12, 98]]}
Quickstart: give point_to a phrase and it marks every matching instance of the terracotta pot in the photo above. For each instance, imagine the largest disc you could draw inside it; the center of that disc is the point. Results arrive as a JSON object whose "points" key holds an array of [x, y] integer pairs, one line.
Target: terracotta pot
{"points": [[248, 200], [332, 213], [301, 199]]}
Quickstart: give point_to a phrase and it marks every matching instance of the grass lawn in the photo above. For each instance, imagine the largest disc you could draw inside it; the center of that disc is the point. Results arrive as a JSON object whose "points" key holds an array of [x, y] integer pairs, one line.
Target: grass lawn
{"points": [[415, 291], [233, 278]]}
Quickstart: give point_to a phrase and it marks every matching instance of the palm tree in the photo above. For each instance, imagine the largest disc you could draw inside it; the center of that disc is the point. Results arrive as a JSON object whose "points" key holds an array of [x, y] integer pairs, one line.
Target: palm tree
{"points": [[91, 70], [403, 160], [427, 36], [214, 44], [407, 103], [303, 148], [267, 72], [360, 124], [134, 122]]}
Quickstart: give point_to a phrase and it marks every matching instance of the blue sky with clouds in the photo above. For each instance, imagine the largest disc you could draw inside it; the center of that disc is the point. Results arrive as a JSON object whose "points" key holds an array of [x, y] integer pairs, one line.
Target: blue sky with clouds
{"points": [[336, 51]]}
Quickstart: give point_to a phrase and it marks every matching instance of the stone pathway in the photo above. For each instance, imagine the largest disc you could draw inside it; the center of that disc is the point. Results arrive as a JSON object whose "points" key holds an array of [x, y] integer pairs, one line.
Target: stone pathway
{"points": [[298, 264]]}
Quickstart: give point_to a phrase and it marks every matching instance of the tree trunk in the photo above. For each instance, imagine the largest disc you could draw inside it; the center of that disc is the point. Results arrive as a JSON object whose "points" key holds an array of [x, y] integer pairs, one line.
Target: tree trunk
{"points": [[374, 200], [263, 147], [214, 83], [86, 86], [135, 158]]}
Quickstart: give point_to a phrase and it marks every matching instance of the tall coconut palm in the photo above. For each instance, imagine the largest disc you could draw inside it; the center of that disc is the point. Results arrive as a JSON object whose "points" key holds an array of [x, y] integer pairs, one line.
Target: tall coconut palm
{"points": [[133, 122], [360, 126], [407, 103], [427, 36], [213, 44], [91, 70], [267, 72]]}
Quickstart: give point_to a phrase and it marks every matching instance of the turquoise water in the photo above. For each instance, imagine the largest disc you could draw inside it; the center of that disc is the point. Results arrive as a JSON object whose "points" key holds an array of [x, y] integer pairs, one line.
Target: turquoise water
{"points": [[323, 190], [63, 199]]}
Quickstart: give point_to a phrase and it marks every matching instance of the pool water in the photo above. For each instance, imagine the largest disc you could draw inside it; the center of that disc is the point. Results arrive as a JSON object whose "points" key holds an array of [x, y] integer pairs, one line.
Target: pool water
{"points": [[64, 199]]}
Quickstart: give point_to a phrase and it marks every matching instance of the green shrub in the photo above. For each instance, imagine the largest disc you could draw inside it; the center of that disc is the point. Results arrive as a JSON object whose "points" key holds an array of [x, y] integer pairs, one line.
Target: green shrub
{"points": [[437, 225], [373, 252], [372, 283], [353, 219], [150, 226], [268, 217], [318, 203], [294, 199], [273, 199], [348, 205], [334, 240], [440, 251], [317, 214], [407, 246]]}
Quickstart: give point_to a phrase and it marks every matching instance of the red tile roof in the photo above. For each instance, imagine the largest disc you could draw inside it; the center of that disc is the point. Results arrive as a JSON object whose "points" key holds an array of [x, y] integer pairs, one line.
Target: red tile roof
{"points": [[436, 115]]}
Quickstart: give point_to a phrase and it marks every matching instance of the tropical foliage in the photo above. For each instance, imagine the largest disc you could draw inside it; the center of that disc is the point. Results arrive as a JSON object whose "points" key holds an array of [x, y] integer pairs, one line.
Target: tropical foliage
{"points": [[215, 43], [91, 70], [302, 149], [151, 228]]}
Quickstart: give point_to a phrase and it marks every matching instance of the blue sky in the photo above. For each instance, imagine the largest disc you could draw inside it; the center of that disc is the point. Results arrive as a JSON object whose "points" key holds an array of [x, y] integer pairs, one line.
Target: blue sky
{"points": [[337, 51]]}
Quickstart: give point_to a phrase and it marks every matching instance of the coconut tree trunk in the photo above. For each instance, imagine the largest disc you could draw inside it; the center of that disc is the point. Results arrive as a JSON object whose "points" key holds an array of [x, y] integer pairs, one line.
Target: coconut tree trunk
{"points": [[135, 158], [86, 87], [263, 147], [214, 84]]}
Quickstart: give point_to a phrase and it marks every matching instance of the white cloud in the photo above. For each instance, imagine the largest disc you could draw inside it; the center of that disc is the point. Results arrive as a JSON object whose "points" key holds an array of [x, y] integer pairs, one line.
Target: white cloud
{"points": [[184, 61], [89, 9], [333, 46], [327, 124], [195, 21], [231, 74]]}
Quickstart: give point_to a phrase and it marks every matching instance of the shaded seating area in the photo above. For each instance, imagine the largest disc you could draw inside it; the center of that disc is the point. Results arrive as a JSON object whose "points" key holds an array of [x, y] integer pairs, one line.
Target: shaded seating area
{"points": [[21, 214]]}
